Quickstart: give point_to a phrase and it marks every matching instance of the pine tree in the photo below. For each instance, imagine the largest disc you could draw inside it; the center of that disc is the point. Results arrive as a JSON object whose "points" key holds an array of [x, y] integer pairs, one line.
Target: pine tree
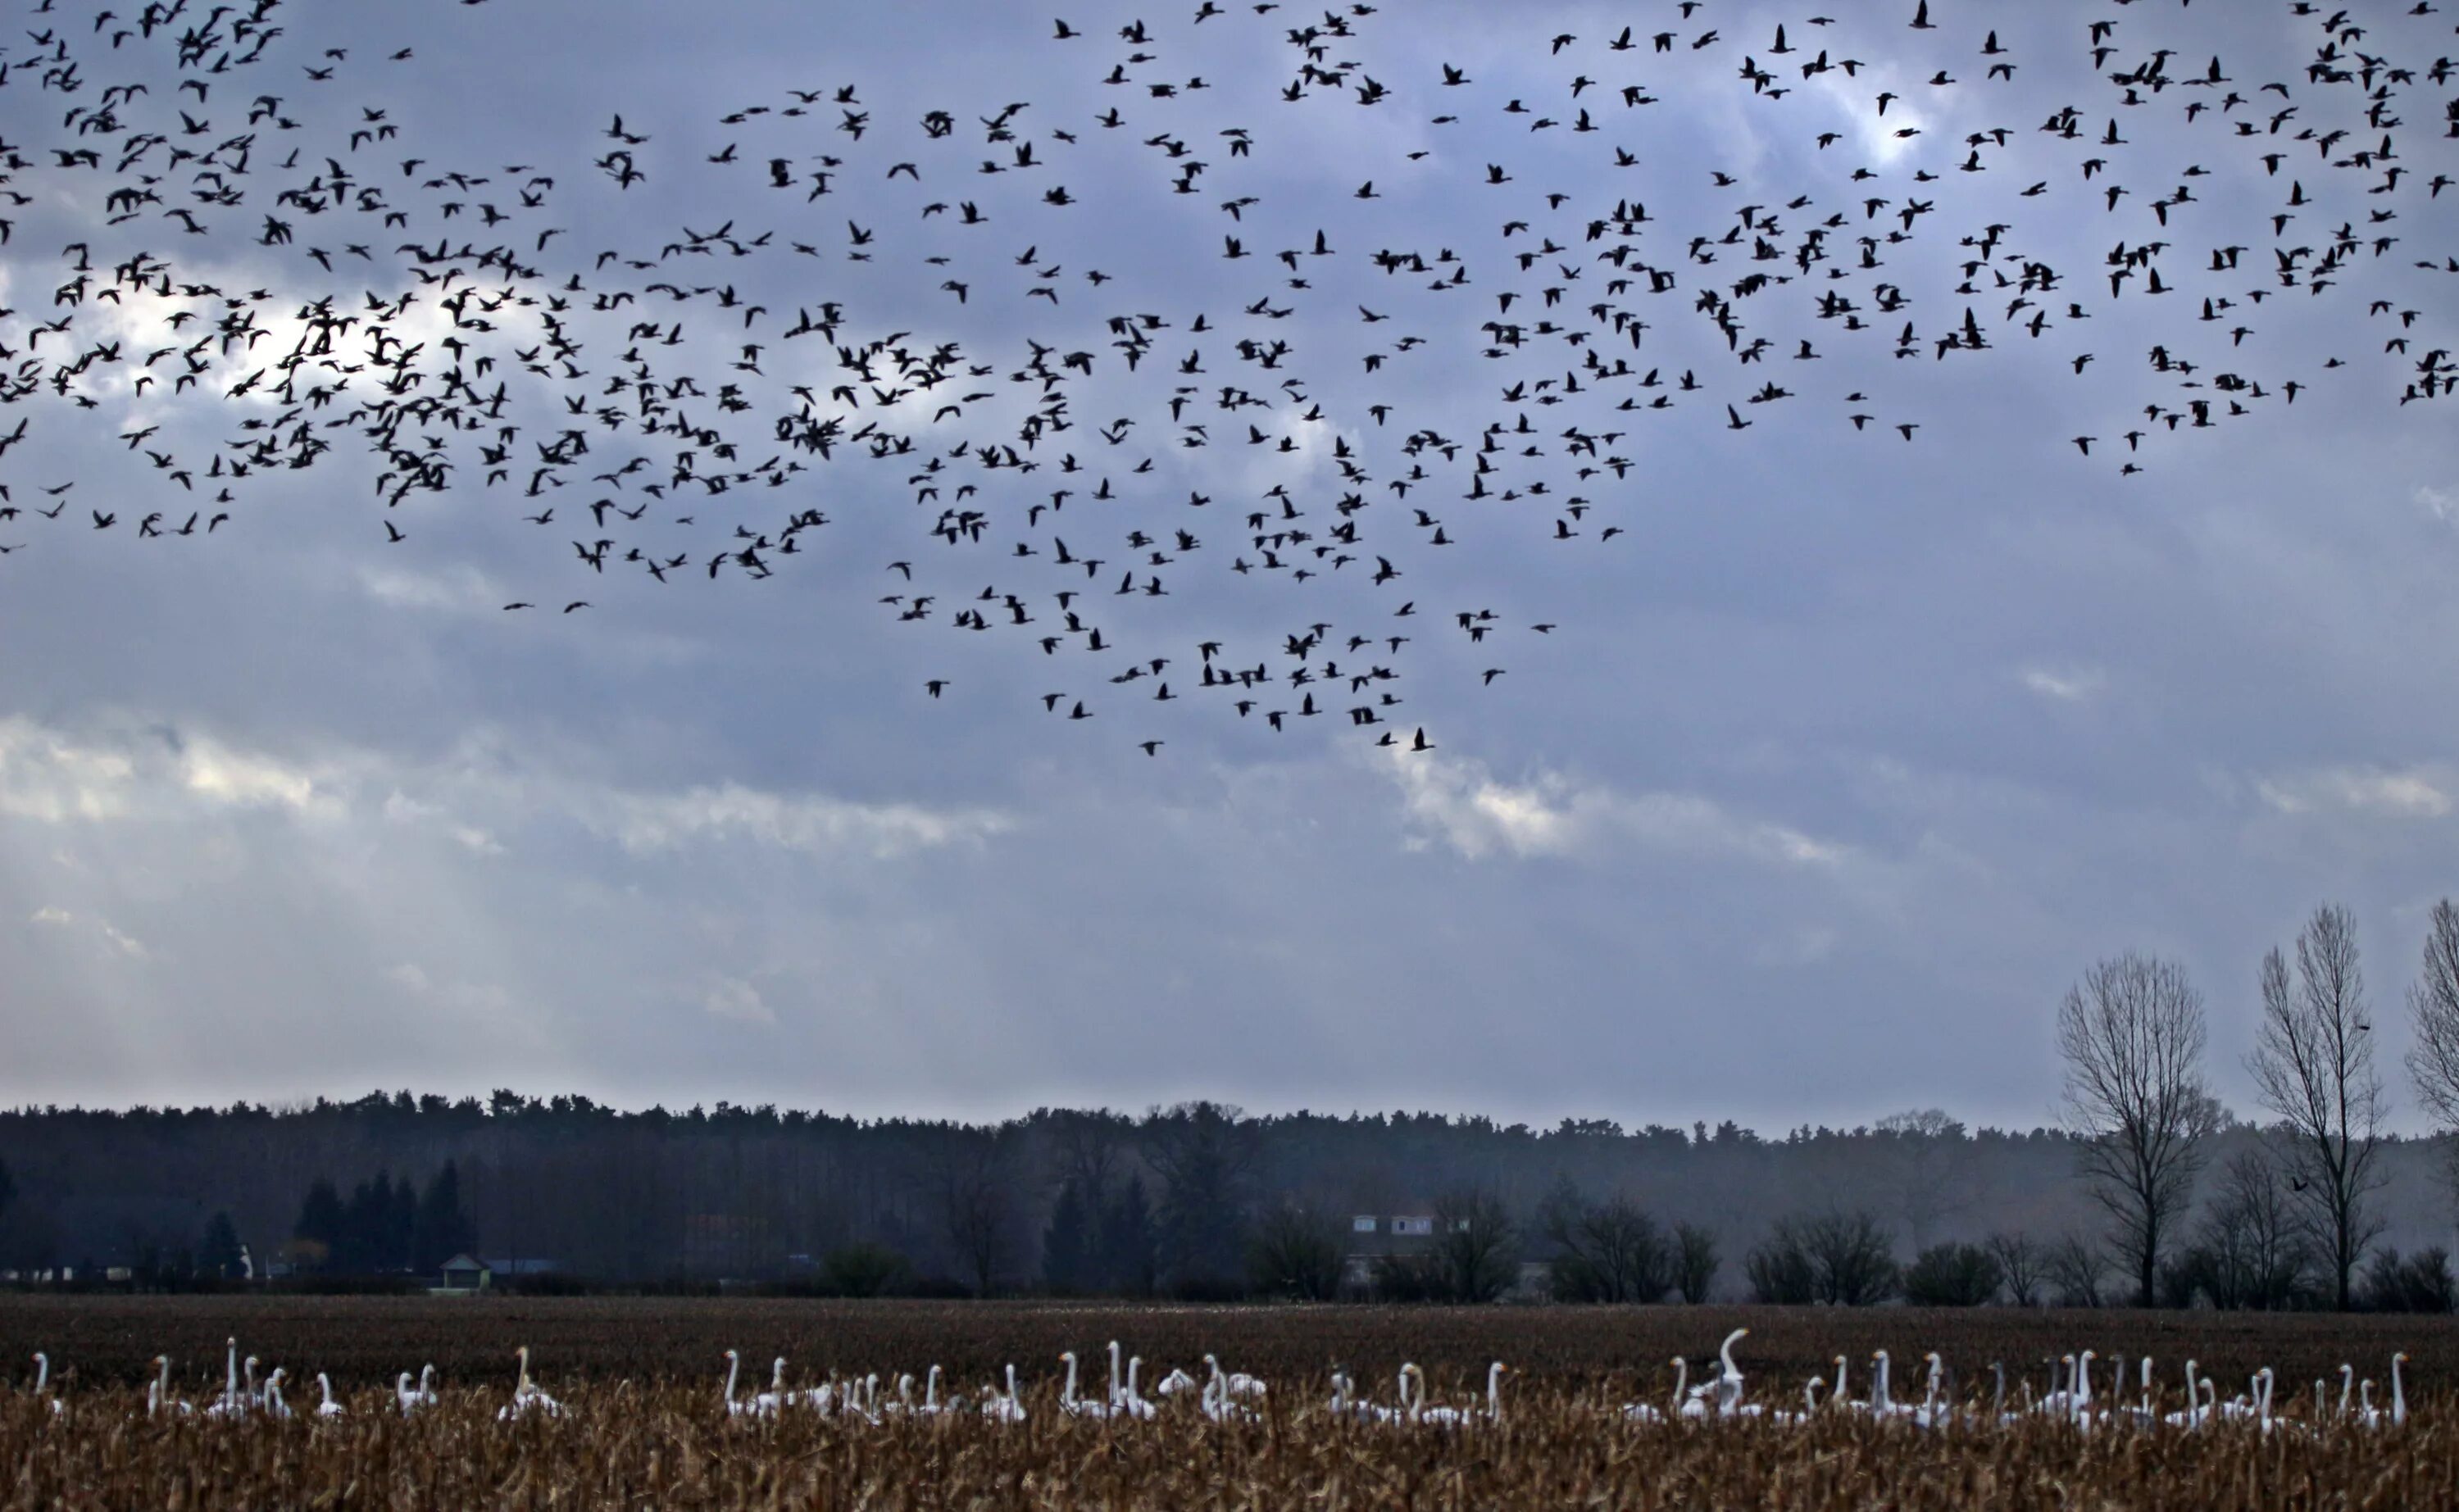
{"points": [[401, 1227], [218, 1253], [321, 1222], [1131, 1250], [363, 1225], [443, 1230], [1065, 1260]]}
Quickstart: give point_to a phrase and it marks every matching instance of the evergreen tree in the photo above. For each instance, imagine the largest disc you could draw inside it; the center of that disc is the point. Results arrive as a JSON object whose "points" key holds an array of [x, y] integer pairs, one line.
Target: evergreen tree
{"points": [[7, 1189], [218, 1253], [1067, 1260], [363, 1226], [401, 1227], [443, 1230], [1130, 1248], [321, 1222]]}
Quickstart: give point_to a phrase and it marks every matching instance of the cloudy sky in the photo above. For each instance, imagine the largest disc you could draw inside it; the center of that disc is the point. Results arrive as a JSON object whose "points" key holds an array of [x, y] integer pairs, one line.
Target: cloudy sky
{"points": [[1847, 755]]}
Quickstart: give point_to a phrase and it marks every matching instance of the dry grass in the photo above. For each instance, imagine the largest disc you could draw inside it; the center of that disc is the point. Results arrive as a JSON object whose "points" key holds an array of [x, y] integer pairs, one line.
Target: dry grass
{"points": [[644, 1428]]}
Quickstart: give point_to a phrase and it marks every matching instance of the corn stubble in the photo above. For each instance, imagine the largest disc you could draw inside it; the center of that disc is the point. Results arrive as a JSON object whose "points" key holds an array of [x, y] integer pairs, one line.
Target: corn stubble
{"points": [[670, 1445]]}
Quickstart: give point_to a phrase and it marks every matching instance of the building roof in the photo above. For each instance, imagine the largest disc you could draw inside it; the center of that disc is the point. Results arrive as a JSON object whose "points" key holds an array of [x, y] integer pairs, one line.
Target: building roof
{"points": [[462, 1262]]}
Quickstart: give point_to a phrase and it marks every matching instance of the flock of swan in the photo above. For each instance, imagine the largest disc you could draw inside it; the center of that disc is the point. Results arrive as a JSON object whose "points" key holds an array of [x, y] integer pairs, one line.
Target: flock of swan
{"points": [[2069, 1398], [1233, 1397]]}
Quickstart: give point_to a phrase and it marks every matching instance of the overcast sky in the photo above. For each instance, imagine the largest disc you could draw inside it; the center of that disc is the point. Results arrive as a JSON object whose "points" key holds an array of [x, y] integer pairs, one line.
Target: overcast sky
{"points": [[1848, 755]]}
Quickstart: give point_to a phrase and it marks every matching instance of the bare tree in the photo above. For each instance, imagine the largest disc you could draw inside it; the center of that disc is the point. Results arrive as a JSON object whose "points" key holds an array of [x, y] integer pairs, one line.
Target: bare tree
{"points": [[2251, 1249], [1931, 1165], [2313, 1064], [968, 1174], [2133, 1036], [1694, 1261], [2021, 1262], [2434, 1001], [2074, 1268]]}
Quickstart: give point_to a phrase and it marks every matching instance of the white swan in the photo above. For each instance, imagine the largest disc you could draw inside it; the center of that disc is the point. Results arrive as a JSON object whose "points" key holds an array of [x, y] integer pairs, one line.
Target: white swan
{"points": [[1216, 1404], [2348, 1384], [328, 1408], [1465, 1416], [1004, 1407], [1933, 1412], [1787, 1418], [1070, 1403], [772, 1401], [1130, 1402], [1729, 1385], [1176, 1381], [2398, 1393], [43, 1382], [733, 1368], [1233, 1384], [527, 1398], [232, 1403], [2192, 1416], [1688, 1401], [160, 1400], [274, 1405], [1650, 1412]]}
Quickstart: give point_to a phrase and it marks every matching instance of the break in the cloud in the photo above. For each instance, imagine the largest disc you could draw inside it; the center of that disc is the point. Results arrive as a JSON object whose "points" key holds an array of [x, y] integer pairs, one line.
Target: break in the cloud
{"points": [[1457, 802]]}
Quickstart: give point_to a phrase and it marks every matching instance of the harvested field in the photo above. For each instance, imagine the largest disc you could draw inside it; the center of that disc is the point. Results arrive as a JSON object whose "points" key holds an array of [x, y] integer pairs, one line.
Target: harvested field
{"points": [[470, 1340], [642, 1422]]}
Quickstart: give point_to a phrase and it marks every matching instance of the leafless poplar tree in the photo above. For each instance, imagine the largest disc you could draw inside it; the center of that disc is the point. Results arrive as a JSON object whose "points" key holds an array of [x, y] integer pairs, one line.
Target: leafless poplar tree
{"points": [[1932, 1161], [2434, 1001], [2133, 1033], [2314, 1064]]}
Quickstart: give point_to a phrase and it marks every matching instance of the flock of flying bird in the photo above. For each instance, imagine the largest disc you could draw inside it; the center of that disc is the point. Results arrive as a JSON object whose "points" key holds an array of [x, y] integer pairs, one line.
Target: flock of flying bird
{"points": [[262, 273], [1230, 1396]]}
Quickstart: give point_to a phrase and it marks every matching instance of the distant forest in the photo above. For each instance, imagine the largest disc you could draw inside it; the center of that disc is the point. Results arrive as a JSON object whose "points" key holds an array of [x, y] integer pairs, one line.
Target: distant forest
{"points": [[1197, 1201]]}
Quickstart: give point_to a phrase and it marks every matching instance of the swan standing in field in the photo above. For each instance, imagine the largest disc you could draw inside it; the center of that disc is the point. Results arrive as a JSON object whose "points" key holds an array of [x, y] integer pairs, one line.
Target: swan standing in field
{"points": [[159, 1400], [527, 1398], [2398, 1393], [1217, 1405], [43, 1382], [1689, 1401], [1176, 1381], [2191, 1416], [1880, 1405], [326, 1409], [1464, 1416], [1729, 1385], [1069, 1402], [2348, 1384], [1003, 1406], [1131, 1402], [1934, 1412], [1809, 1413], [273, 1404], [772, 1401], [733, 1368], [1649, 1412], [2369, 1416], [232, 1403], [1233, 1384]]}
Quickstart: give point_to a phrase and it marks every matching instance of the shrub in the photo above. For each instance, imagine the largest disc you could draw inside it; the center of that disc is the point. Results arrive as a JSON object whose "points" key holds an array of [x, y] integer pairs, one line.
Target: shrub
{"points": [[1953, 1276]]}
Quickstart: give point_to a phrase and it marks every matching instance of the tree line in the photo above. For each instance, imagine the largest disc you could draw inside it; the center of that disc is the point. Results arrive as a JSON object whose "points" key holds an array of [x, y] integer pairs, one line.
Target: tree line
{"points": [[2147, 1191]]}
